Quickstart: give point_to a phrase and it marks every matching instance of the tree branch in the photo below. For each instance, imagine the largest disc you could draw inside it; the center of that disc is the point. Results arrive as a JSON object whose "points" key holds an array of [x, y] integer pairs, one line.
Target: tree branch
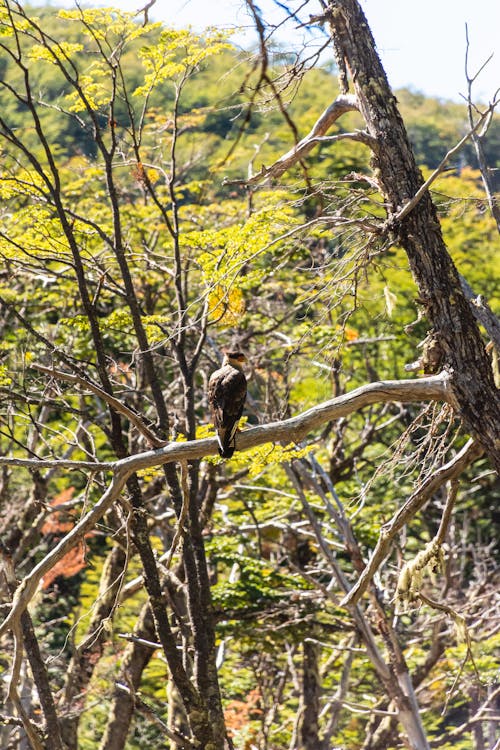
{"points": [[477, 137], [405, 210], [452, 469], [341, 105], [482, 312], [115, 404], [433, 388], [28, 586], [289, 430]]}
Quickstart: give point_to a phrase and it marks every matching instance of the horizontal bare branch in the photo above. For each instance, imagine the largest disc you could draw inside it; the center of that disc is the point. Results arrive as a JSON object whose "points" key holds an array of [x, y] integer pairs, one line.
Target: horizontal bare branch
{"points": [[433, 388], [290, 430], [293, 430]]}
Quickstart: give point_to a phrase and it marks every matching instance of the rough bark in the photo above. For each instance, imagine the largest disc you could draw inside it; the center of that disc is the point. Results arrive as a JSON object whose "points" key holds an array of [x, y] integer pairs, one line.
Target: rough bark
{"points": [[41, 678], [193, 702], [419, 232], [311, 690]]}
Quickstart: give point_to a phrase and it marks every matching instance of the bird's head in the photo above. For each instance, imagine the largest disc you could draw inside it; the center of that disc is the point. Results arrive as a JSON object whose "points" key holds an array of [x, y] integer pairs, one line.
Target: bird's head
{"points": [[235, 358]]}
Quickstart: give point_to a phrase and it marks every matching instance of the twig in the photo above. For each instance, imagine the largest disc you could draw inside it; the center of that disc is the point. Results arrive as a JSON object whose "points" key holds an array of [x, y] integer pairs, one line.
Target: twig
{"points": [[410, 579], [477, 137], [180, 530], [405, 210], [469, 453], [482, 312], [29, 728], [457, 731], [180, 740], [28, 586], [115, 404]]}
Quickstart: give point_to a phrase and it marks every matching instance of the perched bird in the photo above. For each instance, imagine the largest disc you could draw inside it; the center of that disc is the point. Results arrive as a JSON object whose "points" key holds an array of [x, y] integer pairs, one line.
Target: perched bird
{"points": [[227, 391]]}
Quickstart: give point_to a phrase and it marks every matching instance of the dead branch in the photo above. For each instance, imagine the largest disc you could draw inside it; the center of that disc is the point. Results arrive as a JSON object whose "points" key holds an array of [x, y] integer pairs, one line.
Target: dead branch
{"points": [[433, 388], [405, 210], [477, 137], [409, 584], [482, 312], [341, 105], [288, 431], [469, 453], [115, 404], [481, 715], [146, 709], [28, 586]]}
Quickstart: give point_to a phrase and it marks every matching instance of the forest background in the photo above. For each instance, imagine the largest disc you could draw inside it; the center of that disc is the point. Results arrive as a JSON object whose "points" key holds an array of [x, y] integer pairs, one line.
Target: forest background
{"points": [[177, 600]]}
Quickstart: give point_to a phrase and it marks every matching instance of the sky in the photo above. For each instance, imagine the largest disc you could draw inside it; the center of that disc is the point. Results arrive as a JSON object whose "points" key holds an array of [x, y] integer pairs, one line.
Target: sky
{"points": [[421, 43]]}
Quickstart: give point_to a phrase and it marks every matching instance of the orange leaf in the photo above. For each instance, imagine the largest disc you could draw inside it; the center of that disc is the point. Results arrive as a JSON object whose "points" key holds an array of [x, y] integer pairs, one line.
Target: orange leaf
{"points": [[72, 562]]}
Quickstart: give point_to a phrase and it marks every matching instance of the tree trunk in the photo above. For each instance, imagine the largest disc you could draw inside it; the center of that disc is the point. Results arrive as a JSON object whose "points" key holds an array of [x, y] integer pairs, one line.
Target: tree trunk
{"points": [[135, 659], [418, 232], [91, 648], [311, 691]]}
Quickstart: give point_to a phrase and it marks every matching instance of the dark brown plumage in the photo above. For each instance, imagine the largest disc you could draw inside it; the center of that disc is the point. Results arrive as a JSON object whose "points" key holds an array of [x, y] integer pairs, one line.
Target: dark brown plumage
{"points": [[227, 391]]}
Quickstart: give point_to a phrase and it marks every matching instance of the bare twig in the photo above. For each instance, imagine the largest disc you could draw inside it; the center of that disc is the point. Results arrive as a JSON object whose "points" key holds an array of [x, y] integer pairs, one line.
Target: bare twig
{"points": [[32, 733], [405, 210], [452, 469], [28, 586], [477, 137], [180, 530], [180, 740], [115, 404], [462, 728], [482, 312]]}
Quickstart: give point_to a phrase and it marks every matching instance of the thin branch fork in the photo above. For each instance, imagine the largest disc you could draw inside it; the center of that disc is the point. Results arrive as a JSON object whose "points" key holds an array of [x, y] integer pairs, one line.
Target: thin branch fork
{"points": [[179, 739], [481, 715], [290, 430], [405, 210]]}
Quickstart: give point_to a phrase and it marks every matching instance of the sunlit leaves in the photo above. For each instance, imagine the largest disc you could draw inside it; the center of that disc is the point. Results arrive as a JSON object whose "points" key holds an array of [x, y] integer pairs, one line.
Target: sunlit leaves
{"points": [[11, 21], [268, 456], [236, 258], [5, 379], [176, 52], [226, 306], [107, 24], [94, 90], [62, 51]]}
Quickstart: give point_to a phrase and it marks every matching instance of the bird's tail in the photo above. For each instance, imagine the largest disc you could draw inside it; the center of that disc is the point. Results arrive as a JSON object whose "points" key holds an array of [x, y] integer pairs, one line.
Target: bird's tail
{"points": [[227, 443]]}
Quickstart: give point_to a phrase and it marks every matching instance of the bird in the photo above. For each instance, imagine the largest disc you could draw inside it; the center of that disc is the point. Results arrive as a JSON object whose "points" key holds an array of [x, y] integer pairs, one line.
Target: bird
{"points": [[227, 391]]}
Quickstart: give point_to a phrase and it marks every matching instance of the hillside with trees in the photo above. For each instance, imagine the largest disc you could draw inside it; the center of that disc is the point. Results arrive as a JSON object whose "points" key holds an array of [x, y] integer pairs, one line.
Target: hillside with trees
{"points": [[166, 197]]}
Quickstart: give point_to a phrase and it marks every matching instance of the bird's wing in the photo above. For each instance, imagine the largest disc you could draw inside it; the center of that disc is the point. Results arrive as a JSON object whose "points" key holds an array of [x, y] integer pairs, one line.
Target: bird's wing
{"points": [[227, 390]]}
